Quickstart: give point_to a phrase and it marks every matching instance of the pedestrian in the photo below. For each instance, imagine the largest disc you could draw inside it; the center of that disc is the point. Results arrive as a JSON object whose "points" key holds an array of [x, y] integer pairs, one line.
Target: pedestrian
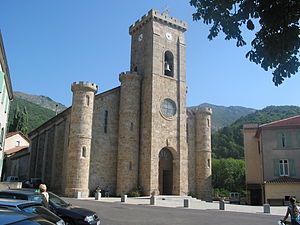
{"points": [[45, 195], [293, 211]]}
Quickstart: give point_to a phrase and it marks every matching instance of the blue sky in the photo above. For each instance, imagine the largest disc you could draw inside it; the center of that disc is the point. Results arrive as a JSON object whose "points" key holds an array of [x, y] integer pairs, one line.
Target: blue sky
{"points": [[52, 43]]}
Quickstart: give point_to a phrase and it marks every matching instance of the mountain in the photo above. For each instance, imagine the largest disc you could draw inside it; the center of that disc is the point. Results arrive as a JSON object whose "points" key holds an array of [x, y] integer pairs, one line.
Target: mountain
{"points": [[37, 115], [223, 116], [228, 142], [40, 100]]}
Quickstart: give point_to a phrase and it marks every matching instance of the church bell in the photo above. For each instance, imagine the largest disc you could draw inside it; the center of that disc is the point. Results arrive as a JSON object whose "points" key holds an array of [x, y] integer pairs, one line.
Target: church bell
{"points": [[167, 66]]}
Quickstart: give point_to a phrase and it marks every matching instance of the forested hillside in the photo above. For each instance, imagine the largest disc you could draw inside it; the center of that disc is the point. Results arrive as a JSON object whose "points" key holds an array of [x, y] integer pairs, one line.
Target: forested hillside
{"points": [[228, 141], [224, 116], [37, 115]]}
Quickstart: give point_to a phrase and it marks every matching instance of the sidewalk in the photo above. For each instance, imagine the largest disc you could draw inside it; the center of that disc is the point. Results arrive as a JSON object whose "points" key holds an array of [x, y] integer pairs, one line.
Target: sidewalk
{"points": [[177, 202]]}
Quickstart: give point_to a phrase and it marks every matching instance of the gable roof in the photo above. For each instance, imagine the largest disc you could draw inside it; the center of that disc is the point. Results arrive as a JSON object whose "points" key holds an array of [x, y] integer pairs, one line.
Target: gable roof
{"points": [[15, 149], [295, 120], [10, 134], [284, 180]]}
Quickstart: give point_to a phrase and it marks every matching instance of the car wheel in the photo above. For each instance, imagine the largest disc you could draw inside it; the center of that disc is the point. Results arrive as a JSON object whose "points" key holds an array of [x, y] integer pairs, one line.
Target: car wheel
{"points": [[69, 222]]}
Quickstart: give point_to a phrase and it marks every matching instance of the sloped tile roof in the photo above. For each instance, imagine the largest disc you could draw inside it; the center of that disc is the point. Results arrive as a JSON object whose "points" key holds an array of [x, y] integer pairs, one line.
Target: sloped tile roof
{"points": [[10, 134], [295, 120], [284, 180], [14, 150]]}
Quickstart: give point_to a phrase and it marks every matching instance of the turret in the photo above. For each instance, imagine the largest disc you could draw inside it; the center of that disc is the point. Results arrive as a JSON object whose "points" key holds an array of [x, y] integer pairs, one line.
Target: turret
{"points": [[203, 153], [78, 154], [128, 143]]}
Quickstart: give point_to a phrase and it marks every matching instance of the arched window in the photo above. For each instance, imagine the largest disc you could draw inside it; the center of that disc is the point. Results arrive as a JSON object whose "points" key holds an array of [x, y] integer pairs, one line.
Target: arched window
{"points": [[83, 152], [169, 64]]}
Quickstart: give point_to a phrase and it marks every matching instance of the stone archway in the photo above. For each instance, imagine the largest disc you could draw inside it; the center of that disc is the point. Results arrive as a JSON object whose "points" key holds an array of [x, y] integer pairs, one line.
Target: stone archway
{"points": [[165, 172]]}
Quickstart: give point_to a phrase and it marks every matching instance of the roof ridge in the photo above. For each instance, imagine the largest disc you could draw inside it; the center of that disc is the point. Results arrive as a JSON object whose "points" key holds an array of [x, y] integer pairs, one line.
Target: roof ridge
{"points": [[277, 121]]}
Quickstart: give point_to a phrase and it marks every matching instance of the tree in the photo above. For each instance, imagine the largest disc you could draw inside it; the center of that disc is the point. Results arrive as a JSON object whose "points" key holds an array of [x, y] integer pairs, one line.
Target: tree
{"points": [[276, 43], [228, 174], [20, 120]]}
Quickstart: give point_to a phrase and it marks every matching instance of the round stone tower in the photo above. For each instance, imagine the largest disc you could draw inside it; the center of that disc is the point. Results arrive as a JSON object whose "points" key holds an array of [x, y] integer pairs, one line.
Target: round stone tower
{"points": [[203, 153], [129, 122], [80, 135]]}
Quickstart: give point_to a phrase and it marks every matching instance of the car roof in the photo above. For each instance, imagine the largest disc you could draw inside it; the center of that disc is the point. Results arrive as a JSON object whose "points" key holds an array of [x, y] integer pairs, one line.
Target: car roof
{"points": [[20, 191], [11, 216], [17, 203]]}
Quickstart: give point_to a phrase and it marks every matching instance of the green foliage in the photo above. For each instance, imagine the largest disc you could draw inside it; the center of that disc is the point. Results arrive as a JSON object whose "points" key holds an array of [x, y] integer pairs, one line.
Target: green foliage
{"points": [[228, 142], [228, 174], [134, 193], [192, 194], [221, 192], [36, 115], [276, 43], [20, 120], [224, 116]]}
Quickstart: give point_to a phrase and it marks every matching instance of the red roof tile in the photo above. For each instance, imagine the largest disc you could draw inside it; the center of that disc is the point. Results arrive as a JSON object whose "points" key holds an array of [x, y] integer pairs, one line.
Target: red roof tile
{"points": [[15, 149], [284, 180], [10, 134], [295, 120]]}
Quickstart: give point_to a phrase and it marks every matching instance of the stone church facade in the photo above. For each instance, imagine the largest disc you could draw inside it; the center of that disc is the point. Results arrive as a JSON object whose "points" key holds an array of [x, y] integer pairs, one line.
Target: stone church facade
{"points": [[138, 135]]}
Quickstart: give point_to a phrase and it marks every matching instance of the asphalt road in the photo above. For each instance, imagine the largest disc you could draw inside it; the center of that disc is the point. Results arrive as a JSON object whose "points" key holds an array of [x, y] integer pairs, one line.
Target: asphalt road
{"points": [[127, 214]]}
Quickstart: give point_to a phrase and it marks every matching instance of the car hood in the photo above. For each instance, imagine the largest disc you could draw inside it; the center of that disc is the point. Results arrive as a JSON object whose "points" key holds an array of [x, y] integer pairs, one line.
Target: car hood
{"points": [[80, 211]]}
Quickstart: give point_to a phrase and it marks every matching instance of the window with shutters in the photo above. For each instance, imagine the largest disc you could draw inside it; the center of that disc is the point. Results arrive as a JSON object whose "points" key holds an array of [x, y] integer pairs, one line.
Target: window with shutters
{"points": [[284, 140], [284, 167]]}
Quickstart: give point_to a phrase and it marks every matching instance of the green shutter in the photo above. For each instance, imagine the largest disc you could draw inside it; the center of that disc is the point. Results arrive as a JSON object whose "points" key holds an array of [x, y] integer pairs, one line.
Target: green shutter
{"points": [[276, 167], [292, 167], [298, 139], [1, 80], [289, 140], [279, 143]]}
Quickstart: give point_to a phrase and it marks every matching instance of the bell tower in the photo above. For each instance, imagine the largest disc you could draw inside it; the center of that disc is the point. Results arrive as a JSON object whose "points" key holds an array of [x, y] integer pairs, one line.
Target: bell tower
{"points": [[158, 56]]}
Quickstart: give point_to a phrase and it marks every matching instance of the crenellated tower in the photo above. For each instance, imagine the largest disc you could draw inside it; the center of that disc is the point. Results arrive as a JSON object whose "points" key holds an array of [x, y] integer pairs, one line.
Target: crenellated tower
{"points": [[80, 135], [158, 56], [203, 153], [129, 130]]}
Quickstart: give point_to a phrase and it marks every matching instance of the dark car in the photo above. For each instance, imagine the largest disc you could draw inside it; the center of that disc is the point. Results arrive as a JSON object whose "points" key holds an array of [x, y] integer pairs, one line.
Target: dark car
{"points": [[69, 213], [31, 207], [9, 216]]}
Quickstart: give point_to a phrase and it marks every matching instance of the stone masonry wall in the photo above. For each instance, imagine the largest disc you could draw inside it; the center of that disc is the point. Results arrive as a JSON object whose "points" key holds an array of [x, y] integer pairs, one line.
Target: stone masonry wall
{"points": [[104, 149], [129, 131], [78, 155], [203, 154]]}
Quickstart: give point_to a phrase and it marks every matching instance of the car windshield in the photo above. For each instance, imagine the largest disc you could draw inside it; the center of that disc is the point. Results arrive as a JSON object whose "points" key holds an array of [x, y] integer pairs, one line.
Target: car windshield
{"points": [[35, 198], [57, 200], [40, 210]]}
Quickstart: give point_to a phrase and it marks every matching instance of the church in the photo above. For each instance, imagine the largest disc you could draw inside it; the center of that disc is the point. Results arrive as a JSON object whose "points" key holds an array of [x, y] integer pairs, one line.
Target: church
{"points": [[139, 135]]}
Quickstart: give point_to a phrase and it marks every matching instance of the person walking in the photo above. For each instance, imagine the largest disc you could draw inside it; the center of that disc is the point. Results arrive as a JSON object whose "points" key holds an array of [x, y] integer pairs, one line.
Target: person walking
{"points": [[45, 195], [293, 211]]}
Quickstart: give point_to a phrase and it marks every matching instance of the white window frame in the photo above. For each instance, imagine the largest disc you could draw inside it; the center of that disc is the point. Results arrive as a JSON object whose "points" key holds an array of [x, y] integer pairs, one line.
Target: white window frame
{"points": [[284, 167]]}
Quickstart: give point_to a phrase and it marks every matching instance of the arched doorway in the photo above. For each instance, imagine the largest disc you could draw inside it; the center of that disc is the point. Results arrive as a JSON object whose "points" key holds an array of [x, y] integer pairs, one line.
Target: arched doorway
{"points": [[165, 172]]}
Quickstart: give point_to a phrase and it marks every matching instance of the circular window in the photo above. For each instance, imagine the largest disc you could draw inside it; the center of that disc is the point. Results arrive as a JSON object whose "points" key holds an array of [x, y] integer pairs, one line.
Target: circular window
{"points": [[168, 107]]}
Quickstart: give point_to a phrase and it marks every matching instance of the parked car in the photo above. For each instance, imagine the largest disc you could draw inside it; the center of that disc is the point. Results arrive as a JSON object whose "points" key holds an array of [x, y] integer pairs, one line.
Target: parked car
{"points": [[31, 207], [70, 214], [12, 179], [9, 216], [234, 198]]}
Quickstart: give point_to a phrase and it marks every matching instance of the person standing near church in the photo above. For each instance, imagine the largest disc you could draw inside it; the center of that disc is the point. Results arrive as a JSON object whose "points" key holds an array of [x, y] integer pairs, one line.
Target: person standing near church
{"points": [[292, 210], [45, 195]]}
